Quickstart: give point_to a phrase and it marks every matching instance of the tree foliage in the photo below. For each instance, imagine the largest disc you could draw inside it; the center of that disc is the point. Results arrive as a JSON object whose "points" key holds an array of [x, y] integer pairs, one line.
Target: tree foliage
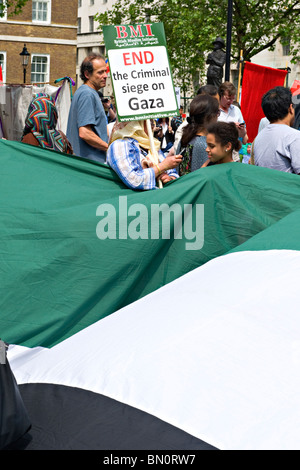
{"points": [[191, 26], [13, 7], [258, 25]]}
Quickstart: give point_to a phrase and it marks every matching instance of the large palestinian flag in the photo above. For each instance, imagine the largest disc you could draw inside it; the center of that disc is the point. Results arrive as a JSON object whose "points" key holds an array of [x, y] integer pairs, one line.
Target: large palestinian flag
{"points": [[152, 342]]}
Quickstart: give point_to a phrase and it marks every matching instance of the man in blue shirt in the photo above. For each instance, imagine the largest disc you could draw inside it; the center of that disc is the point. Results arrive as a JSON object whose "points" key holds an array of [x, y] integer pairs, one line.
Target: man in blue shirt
{"points": [[297, 115], [277, 146], [87, 124]]}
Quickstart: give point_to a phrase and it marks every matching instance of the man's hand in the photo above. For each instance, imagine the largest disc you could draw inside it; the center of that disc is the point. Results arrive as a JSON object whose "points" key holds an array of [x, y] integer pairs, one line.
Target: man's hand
{"points": [[146, 163], [165, 178], [171, 161], [168, 163], [160, 168], [241, 129], [106, 104]]}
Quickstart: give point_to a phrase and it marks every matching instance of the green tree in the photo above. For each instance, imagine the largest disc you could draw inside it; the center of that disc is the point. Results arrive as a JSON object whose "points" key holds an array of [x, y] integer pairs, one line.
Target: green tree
{"points": [[13, 7], [191, 26], [258, 25]]}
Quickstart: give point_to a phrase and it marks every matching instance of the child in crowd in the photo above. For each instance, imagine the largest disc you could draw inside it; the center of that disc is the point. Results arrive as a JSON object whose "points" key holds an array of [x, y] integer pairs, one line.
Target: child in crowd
{"points": [[222, 139]]}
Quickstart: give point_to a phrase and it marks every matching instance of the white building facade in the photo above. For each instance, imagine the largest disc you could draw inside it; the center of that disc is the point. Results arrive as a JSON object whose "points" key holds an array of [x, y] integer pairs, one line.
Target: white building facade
{"points": [[89, 39], [279, 58]]}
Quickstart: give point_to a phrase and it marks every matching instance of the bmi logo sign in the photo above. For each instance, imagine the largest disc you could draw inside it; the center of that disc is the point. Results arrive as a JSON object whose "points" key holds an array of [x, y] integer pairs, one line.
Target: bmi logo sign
{"points": [[140, 71]]}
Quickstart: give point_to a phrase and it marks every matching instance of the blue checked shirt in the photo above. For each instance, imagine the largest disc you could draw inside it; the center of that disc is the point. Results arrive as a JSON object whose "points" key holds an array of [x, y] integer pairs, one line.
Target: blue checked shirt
{"points": [[125, 157]]}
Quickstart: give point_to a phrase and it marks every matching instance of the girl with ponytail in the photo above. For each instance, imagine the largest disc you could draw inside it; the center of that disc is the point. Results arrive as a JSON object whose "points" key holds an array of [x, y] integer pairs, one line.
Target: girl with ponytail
{"points": [[204, 110]]}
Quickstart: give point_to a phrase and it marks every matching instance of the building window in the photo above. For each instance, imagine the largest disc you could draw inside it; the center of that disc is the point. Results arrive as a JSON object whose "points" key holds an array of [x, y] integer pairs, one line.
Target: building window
{"points": [[92, 2], [3, 65], [41, 11], [286, 46], [78, 25], [40, 67], [91, 24], [3, 10], [79, 3]]}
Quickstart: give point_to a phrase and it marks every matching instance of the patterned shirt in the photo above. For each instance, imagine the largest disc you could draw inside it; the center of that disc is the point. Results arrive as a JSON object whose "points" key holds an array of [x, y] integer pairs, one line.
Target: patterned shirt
{"points": [[125, 157]]}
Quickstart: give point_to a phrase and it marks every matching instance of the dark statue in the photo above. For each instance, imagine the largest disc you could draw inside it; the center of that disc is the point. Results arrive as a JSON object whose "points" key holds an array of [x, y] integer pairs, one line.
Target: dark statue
{"points": [[216, 60]]}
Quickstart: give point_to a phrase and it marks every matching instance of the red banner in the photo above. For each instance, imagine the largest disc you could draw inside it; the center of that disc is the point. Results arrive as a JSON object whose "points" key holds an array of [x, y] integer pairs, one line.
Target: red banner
{"points": [[295, 88], [257, 80]]}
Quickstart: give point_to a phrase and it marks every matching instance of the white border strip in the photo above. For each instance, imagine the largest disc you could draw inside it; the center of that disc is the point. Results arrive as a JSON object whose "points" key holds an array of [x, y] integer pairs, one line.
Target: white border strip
{"points": [[215, 353]]}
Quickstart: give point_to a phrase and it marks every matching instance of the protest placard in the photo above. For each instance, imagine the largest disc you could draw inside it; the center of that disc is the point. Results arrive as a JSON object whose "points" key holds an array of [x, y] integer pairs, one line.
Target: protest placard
{"points": [[140, 71]]}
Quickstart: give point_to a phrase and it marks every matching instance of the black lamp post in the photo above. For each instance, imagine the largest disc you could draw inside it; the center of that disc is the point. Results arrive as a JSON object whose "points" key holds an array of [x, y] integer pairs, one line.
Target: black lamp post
{"points": [[24, 60], [228, 41]]}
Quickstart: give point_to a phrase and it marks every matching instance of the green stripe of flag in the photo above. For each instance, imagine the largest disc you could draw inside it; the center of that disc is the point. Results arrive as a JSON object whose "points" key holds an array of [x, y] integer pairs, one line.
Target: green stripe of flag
{"points": [[58, 277]]}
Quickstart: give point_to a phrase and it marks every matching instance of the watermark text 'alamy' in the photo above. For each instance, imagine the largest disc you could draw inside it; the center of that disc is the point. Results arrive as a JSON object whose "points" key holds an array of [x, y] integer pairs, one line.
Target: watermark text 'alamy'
{"points": [[156, 221]]}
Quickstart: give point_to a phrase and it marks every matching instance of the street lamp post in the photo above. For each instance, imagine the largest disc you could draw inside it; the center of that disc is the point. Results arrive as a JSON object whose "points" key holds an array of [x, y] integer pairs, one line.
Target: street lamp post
{"points": [[24, 60], [228, 41]]}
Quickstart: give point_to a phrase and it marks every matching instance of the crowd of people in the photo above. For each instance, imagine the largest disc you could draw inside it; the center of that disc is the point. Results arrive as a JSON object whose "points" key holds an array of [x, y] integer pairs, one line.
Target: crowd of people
{"points": [[214, 132]]}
